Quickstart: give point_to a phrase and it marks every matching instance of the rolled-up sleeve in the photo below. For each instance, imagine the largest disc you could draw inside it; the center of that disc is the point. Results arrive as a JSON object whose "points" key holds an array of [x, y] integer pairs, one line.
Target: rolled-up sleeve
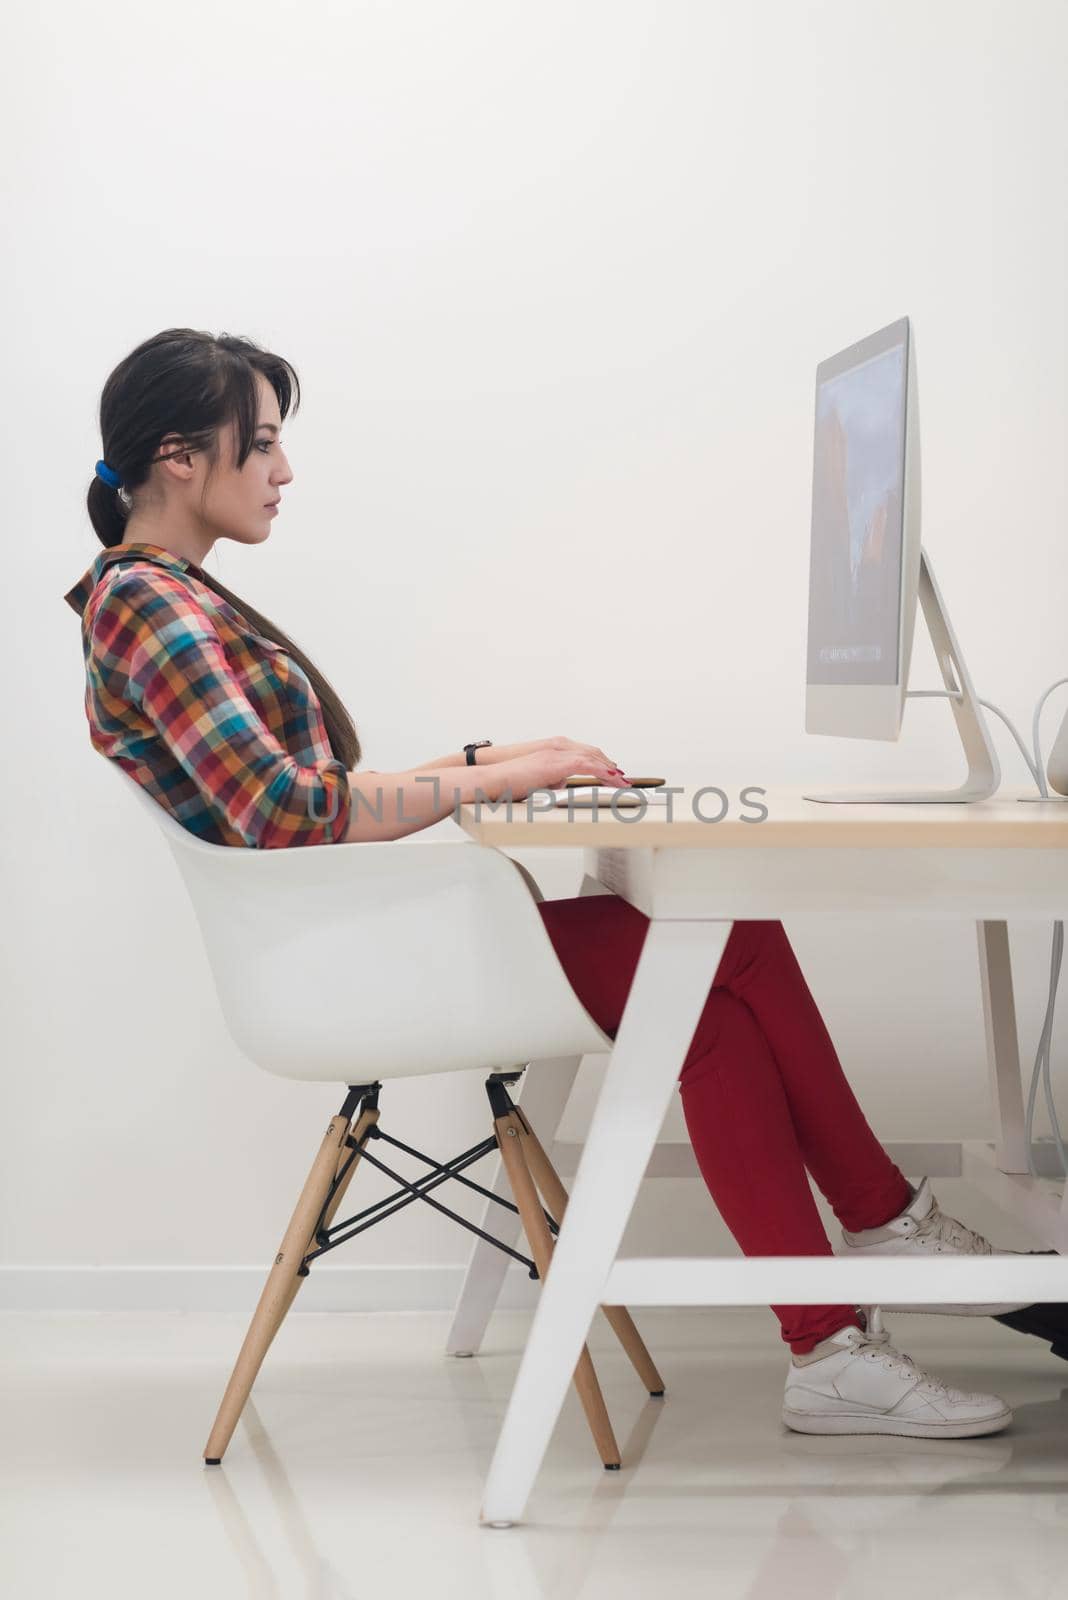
{"points": [[178, 675]]}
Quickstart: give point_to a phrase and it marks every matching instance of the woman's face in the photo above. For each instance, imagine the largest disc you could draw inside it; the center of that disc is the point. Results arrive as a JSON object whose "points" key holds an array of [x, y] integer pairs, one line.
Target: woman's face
{"points": [[204, 503], [238, 501]]}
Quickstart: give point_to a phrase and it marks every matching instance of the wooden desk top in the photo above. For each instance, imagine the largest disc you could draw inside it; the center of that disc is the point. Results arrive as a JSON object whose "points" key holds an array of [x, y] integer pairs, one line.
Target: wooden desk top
{"points": [[1001, 822]]}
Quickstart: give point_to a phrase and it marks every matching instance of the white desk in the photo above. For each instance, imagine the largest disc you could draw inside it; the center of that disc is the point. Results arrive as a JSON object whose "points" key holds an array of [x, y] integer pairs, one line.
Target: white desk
{"points": [[988, 862]]}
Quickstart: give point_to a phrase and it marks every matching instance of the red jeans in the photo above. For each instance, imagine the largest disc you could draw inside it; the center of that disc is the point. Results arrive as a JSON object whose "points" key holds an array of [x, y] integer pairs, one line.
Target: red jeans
{"points": [[763, 1092]]}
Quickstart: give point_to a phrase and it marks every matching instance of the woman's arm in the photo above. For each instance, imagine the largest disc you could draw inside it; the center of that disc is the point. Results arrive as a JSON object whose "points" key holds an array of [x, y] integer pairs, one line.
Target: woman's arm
{"points": [[390, 805], [490, 755], [454, 759]]}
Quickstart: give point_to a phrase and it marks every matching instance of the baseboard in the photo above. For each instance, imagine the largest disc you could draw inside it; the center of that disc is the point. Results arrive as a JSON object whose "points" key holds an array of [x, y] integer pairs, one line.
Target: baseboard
{"points": [[406, 1287], [226, 1288]]}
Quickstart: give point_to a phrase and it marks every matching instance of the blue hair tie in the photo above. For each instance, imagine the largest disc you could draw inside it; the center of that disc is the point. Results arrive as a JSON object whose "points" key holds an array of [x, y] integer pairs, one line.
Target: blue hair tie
{"points": [[108, 474]]}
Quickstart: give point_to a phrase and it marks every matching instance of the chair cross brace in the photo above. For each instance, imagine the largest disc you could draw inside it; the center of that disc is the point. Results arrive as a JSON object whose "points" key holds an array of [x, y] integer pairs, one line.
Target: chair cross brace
{"points": [[328, 1238]]}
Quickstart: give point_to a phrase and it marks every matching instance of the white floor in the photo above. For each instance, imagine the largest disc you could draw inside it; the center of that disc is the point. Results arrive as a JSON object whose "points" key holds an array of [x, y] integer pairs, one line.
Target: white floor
{"points": [[357, 1469]]}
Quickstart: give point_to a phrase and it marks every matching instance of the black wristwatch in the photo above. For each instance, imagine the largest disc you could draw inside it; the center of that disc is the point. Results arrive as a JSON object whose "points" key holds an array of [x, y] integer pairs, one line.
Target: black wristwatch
{"points": [[469, 749]]}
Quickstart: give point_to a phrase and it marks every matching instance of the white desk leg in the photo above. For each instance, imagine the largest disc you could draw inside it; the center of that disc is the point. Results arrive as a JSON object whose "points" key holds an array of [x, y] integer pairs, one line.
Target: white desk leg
{"points": [[675, 970], [544, 1090], [1002, 1046]]}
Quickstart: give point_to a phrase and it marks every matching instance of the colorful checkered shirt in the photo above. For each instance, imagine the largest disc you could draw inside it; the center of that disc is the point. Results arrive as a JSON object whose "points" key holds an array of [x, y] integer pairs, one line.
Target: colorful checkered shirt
{"points": [[219, 724]]}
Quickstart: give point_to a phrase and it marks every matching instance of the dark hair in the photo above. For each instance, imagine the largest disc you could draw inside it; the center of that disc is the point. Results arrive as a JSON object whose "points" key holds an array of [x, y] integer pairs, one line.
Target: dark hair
{"points": [[191, 383]]}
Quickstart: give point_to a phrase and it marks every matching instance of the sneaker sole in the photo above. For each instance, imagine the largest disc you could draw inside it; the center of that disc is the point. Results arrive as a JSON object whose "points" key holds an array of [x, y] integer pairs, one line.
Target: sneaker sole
{"points": [[839, 1423]]}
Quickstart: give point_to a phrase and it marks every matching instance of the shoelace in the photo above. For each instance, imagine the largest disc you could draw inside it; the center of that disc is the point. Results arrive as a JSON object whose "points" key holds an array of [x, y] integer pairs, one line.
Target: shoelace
{"points": [[941, 1229], [875, 1339]]}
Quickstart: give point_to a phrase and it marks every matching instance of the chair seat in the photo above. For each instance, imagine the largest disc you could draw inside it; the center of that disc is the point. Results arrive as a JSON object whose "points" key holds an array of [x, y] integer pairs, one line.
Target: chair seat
{"points": [[360, 962]]}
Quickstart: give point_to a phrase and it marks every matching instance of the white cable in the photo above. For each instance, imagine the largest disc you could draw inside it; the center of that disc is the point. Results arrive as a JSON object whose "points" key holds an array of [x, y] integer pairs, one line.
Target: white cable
{"points": [[1056, 952], [1041, 1067], [1042, 1058], [1042, 789], [1031, 767]]}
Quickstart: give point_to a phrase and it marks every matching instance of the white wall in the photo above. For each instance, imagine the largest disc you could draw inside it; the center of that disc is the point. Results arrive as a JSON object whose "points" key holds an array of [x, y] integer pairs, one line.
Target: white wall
{"points": [[556, 279]]}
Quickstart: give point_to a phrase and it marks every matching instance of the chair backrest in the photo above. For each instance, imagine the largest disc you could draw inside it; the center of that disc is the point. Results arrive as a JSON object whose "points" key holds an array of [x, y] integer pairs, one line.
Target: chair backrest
{"points": [[353, 962]]}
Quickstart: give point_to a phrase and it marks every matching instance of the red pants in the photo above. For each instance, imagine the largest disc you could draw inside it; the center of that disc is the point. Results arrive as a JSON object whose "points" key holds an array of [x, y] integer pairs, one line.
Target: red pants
{"points": [[763, 1092]]}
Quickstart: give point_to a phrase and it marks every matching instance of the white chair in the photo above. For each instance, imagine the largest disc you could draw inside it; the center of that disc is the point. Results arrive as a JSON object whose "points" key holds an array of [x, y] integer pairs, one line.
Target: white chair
{"points": [[355, 963]]}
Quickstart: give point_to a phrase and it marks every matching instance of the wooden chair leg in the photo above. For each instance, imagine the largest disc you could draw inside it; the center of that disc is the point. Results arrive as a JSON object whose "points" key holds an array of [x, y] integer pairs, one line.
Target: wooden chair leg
{"points": [[554, 1194], [279, 1289], [509, 1137], [547, 1085], [367, 1119]]}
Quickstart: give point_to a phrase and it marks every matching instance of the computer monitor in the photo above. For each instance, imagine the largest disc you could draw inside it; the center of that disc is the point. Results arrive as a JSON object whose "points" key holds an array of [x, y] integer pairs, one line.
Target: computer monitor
{"points": [[868, 567], [865, 555]]}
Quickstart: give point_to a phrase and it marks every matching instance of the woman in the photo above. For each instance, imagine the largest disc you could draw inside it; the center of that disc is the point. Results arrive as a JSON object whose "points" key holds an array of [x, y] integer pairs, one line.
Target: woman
{"points": [[233, 730]]}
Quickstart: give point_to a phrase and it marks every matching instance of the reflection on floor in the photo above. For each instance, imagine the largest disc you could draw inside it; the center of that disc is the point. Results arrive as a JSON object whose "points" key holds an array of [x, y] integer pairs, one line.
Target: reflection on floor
{"points": [[357, 1469]]}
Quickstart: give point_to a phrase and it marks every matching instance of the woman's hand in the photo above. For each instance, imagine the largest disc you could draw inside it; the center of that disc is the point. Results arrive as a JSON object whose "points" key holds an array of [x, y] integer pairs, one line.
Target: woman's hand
{"points": [[546, 767], [583, 755]]}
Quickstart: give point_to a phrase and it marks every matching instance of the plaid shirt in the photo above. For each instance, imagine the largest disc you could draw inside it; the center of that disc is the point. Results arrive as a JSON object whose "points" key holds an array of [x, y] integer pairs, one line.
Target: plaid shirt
{"points": [[219, 724]]}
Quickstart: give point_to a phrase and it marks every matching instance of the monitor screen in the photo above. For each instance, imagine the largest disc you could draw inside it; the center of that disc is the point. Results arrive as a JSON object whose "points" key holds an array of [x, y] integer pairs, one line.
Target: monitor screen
{"points": [[857, 507]]}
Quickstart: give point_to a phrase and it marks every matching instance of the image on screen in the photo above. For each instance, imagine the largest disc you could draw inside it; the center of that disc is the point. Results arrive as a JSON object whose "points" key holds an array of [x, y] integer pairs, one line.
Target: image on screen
{"points": [[857, 496]]}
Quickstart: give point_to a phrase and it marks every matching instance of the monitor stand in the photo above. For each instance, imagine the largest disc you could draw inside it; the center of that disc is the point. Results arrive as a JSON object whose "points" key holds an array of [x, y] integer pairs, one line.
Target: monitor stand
{"points": [[984, 771]]}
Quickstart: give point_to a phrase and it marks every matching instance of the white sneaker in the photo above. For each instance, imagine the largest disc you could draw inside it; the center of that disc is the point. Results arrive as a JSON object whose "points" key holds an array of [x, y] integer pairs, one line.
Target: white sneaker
{"points": [[857, 1382], [924, 1229]]}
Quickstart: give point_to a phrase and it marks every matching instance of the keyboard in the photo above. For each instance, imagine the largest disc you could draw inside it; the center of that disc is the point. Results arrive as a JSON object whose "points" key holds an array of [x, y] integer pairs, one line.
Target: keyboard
{"points": [[584, 794]]}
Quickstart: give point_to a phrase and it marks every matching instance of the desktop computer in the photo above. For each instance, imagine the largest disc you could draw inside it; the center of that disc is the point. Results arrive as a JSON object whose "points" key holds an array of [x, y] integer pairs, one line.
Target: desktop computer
{"points": [[868, 567]]}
